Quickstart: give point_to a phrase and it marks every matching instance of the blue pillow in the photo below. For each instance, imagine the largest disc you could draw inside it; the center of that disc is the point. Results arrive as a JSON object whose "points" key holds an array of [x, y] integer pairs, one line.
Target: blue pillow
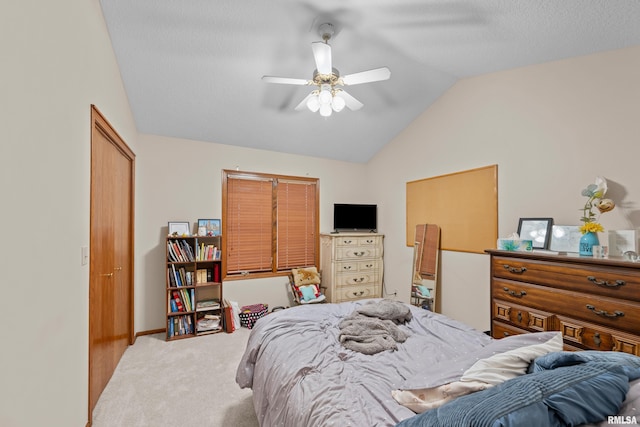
{"points": [[569, 395], [308, 293]]}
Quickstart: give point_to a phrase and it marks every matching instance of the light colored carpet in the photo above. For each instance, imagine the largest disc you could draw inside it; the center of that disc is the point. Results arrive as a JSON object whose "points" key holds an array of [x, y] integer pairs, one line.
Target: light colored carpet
{"points": [[189, 382]]}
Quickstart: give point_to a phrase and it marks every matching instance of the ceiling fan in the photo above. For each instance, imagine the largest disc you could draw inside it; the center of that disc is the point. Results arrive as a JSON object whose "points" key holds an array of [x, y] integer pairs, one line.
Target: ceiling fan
{"points": [[329, 95]]}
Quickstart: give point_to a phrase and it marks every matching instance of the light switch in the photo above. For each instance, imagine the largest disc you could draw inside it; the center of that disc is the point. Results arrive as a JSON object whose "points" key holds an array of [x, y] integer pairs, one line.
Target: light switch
{"points": [[85, 255]]}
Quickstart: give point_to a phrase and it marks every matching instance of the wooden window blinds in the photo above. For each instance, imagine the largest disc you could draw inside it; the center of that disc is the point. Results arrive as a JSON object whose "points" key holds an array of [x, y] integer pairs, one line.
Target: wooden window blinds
{"points": [[270, 223]]}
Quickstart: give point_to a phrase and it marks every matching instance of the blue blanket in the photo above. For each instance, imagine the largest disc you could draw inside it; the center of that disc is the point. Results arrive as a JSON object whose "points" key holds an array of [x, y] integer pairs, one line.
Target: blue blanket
{"points": [[562, 389]]}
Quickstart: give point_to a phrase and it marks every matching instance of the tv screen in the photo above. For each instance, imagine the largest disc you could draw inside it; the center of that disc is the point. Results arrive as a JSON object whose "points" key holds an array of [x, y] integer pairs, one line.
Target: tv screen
{"points": [[355, 217]]}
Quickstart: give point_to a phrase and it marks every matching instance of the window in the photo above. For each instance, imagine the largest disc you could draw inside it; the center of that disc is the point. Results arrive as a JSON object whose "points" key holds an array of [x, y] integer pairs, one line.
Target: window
{"points": [[270, 223]]}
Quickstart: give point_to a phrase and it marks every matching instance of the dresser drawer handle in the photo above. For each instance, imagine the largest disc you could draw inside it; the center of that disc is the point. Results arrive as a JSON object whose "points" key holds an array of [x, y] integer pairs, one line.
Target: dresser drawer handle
{"points": [[359, 253], [596, 339], [514, 269], [347, 267], [356, 294], [514, 293], [605, 282], [616, 313], [358, 279], [347, 242]]}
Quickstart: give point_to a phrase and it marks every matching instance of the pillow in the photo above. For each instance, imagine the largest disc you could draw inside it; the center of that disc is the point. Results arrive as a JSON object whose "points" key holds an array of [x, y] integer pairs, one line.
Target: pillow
{"points": [[308, 292], [305, 276], [497, 362], [566, 396]]}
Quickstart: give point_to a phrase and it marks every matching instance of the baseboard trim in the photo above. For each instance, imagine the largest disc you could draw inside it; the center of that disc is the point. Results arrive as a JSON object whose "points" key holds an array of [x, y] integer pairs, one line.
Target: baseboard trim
{"points": [[149, 332]]}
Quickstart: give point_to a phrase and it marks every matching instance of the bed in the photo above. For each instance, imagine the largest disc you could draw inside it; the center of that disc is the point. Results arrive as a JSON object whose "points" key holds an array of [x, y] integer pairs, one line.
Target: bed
{"points": [[302, 375]]}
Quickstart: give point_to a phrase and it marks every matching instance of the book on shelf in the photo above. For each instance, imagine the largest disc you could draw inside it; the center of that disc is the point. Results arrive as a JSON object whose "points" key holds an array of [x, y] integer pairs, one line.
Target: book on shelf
{"points": [[208, 323], [216, 273], [171, 279], [186, 299], [176, 298], [187, 251], [208, 304]]}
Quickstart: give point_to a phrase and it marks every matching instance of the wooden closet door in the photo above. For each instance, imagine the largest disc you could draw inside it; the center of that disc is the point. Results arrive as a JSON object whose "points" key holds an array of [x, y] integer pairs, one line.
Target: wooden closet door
{"points": [[111, 254]]}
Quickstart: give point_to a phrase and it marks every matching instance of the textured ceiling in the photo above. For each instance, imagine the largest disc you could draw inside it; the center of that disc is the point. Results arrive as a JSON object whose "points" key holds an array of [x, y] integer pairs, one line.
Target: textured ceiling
{"points": [[192, 69]]}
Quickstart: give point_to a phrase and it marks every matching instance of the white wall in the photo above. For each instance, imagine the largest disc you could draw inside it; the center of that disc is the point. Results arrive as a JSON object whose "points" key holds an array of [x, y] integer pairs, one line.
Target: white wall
{"points": [[181, 180], [550, 128], [57, 60]]}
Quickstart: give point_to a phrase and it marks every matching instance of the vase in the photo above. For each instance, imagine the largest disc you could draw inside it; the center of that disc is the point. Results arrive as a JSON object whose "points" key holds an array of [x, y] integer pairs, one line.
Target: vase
{"points": [[587, 241]]}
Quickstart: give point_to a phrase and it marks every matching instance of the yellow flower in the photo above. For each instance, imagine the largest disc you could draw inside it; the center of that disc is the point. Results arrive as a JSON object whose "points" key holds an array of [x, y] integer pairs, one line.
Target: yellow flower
{"points": [[591, 227]]}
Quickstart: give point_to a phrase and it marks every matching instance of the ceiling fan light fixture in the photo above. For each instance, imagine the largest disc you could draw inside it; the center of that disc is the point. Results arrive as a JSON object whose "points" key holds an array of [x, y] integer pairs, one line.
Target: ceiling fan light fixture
{"points": [[338, 103], [325, 110], [313, 103], [325, 95]]}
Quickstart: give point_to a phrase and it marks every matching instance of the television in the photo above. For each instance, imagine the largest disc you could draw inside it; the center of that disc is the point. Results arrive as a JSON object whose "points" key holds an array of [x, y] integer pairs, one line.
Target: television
{"points": [[355, 217]]}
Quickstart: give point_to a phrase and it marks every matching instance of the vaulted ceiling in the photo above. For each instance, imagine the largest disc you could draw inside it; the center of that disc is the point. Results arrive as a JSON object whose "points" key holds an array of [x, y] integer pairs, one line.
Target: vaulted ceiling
{"points": [[192, 69]]}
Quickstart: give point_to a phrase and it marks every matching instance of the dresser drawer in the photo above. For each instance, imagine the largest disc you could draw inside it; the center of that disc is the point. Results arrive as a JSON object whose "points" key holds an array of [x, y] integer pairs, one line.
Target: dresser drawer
{"points": [[613, 313], [350, 293], [353, 253], [357, 265], [595, 337], [359, 278], [612, 281], [501, 330], [359, 241], [524, 317]]}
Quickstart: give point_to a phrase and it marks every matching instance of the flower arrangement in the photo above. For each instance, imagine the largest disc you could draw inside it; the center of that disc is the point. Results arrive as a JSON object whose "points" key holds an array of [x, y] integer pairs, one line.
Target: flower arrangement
{"points": [[595, 198]]}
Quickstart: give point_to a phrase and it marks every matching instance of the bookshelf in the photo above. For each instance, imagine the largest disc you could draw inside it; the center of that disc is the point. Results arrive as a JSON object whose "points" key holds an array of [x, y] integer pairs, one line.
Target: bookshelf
{"points": [[193, 286]]}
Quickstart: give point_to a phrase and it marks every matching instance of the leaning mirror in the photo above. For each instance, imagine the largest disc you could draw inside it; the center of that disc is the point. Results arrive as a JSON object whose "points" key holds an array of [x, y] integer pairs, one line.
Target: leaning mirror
{"points": [[426, 249]]}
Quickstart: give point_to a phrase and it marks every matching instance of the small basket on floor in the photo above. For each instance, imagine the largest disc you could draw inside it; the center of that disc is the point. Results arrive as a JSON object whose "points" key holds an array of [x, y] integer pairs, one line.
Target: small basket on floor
{"points": [[249, 314]]}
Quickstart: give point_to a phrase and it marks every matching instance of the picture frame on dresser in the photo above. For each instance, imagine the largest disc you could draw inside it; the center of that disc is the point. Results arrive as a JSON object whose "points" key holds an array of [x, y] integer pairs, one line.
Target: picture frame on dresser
{"points": [[565, 238], [538, 230]]}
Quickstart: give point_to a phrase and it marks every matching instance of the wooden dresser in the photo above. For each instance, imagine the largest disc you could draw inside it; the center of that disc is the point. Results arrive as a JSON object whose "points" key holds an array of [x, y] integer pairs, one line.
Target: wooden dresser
{"points": [[595, 303], [351, 265]]}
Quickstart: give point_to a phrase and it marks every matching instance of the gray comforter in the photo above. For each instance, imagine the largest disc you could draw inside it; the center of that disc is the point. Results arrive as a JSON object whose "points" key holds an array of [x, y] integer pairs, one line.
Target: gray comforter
{"points": [[301, 375]]}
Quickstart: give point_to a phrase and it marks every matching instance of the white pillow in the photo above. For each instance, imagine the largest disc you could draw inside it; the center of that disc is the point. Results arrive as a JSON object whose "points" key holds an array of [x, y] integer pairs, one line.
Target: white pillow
{"points": [[486, 372]]}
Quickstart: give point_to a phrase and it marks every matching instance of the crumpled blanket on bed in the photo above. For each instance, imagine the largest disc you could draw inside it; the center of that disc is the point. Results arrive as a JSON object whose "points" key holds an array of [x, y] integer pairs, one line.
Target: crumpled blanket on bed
{"points": [[373, 328], [563, 388]]}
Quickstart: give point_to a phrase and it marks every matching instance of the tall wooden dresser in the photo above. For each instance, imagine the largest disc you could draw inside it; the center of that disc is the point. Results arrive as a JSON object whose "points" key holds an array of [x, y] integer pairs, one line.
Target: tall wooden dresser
{"points": [[351, 265], [595, 303]]}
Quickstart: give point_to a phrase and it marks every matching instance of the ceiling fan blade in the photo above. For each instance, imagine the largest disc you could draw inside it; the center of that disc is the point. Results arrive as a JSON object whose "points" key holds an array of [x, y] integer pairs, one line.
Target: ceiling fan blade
{"points": [[322, 55], [285, 80], [303, 103], [352, 103], [374, 75]]}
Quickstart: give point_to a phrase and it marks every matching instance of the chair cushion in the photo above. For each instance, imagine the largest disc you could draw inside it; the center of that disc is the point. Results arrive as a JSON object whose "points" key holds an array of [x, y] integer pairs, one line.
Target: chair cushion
{"points": [[305, 276]]}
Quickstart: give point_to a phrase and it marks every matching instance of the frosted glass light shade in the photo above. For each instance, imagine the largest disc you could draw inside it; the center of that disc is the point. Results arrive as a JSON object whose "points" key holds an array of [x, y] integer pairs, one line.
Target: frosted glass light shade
{"points": [[338, 103], [324, 97], [313, 103], [325, 110]]}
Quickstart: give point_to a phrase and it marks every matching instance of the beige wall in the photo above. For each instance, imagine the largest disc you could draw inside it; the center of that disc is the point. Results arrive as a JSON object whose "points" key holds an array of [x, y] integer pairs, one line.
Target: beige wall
{"points": [[57, 60], [550, 128], [181, 180]]}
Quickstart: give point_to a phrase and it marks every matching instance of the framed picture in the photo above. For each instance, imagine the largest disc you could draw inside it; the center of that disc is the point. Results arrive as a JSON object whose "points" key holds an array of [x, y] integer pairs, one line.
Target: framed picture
{"points": [[538, 230], [565, 238], [179, 227], [209, 227]]}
